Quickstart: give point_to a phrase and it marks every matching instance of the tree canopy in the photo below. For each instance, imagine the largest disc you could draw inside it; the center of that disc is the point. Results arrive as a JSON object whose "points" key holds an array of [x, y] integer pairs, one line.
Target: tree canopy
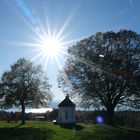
{"points": [[24, 85], [103, 70]]}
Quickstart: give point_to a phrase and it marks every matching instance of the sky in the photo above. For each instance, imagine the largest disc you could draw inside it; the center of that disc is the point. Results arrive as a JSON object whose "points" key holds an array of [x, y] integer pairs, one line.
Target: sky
{"points": [[24, 24]]}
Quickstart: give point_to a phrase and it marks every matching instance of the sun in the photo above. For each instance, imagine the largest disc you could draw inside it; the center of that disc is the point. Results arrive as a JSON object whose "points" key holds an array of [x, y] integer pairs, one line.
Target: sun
{"points": [[50, 50], [51, 46], [50, 40]]}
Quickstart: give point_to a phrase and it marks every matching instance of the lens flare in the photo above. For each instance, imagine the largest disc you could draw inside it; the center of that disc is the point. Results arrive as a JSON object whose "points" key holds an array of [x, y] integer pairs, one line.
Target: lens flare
{"points": [[99, 119]]}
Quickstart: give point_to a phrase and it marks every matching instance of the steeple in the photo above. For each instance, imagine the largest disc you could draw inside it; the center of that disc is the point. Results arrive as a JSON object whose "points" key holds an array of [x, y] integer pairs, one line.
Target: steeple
{"points": [[67, 102], [67, 96]]}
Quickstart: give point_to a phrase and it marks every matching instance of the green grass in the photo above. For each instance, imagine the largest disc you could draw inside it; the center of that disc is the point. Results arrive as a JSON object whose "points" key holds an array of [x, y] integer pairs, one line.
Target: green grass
{"points": [[34, 130]]}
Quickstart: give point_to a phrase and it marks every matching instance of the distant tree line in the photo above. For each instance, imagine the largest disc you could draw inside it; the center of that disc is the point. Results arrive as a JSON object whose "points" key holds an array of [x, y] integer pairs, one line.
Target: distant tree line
{"points": [[122, 118], [16, 116]]}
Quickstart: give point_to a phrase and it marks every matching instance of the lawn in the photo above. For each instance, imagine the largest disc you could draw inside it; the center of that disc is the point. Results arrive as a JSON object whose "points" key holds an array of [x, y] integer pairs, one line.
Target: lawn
{"points": [[35, 130]]}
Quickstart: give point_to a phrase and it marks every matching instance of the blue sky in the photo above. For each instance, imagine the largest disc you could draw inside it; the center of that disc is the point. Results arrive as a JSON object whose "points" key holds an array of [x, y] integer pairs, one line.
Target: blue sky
{"points": [[21, 20]]}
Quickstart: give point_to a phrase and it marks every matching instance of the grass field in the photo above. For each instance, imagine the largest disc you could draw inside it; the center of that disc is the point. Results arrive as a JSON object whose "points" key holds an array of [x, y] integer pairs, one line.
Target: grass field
{"points": [[35, 130]]}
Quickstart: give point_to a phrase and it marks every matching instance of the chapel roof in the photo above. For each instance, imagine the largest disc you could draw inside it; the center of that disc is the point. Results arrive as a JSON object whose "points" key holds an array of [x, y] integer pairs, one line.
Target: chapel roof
{"points": [[66, 102]]}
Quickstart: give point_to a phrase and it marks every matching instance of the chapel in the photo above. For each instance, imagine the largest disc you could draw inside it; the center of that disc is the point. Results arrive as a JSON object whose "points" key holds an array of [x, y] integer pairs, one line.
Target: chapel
{"points": [[66, 111]]}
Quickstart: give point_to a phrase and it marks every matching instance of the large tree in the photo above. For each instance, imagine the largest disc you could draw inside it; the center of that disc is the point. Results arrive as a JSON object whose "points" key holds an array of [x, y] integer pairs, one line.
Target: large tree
{"points": [[103, 70], [24, 85]]}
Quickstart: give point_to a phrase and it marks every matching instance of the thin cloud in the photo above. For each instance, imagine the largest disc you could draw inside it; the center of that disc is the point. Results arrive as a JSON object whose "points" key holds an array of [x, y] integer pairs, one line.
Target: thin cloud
{"points": [[125, 11]]}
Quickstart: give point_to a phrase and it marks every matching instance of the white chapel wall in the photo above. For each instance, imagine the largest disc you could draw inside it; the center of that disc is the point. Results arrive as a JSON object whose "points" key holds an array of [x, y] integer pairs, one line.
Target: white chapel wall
{"points": [[66, 115]]}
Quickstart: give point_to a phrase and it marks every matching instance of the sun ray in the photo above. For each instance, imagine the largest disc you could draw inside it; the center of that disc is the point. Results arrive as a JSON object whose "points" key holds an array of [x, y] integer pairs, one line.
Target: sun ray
{"points": [[68, 20], [37, 56], [46, 62], [131, 2], [19, 44], [58, 63], [48, 44], [66, 23]]}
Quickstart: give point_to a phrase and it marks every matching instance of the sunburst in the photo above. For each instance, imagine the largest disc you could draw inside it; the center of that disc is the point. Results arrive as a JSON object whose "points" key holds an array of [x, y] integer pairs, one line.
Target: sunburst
{"points": [[48, 44]]}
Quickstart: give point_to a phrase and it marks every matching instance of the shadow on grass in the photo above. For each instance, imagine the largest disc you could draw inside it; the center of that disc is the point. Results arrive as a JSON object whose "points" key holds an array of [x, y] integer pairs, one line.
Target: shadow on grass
{"points": [[73, 127], [108, 133], [19, 125], [25, 133]]}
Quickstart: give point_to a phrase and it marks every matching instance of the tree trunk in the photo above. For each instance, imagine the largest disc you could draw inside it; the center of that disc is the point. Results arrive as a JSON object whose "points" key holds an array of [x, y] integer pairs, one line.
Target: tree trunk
{"points": [[23, 114], [110, 116]]}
